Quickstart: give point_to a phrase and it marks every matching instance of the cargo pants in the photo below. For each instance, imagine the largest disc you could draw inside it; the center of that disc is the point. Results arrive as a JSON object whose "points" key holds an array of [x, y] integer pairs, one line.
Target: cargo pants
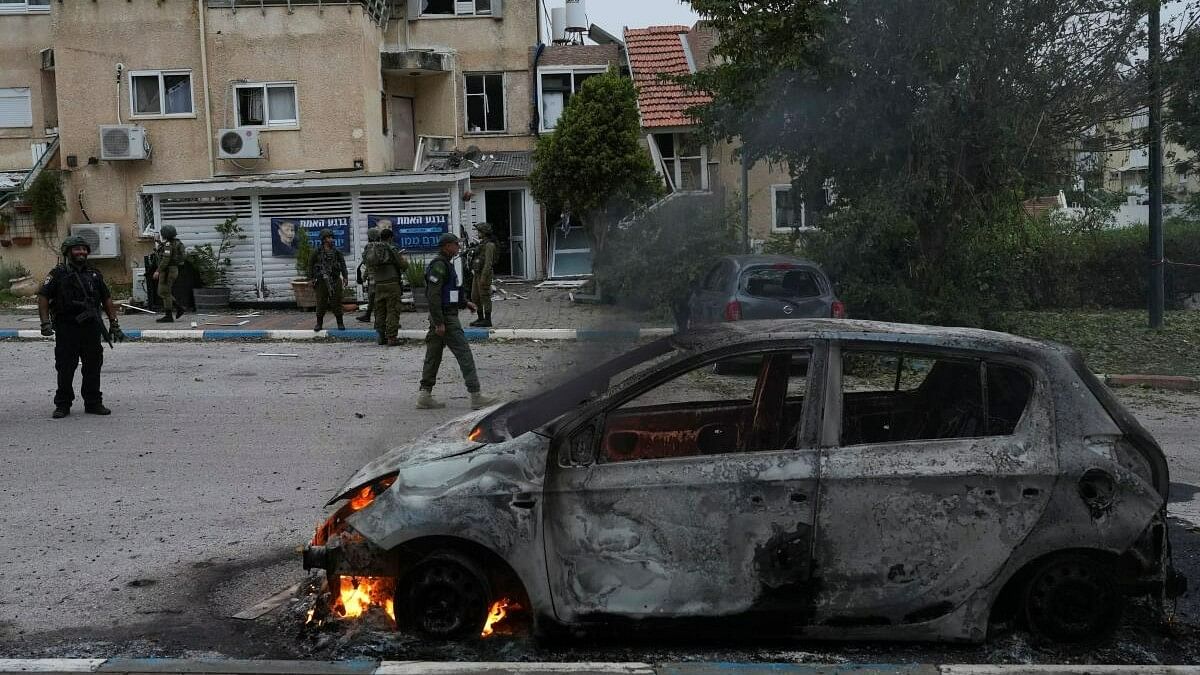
{"points": [[456, 340], [386, 305]]}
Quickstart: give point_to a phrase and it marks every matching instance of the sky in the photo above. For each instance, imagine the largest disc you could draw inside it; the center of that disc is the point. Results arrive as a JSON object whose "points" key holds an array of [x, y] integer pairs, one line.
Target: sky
{"points": [[613, 15]]}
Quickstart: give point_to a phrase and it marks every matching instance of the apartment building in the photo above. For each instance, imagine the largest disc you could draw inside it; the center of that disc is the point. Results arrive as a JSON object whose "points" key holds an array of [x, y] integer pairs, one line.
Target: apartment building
{"points": [[287, 114]]}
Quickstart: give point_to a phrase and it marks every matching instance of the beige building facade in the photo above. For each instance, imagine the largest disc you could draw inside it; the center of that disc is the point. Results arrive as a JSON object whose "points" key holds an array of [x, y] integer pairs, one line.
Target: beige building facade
{"points": [[348, 115]]}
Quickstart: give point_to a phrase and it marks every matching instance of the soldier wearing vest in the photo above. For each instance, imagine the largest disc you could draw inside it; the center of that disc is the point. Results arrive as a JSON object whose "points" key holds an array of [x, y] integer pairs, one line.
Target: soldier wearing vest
{"points": [[170, 255], [364, 276], [482, 264], [386, 265], [69, 304], [444, 292], [327, 269]]}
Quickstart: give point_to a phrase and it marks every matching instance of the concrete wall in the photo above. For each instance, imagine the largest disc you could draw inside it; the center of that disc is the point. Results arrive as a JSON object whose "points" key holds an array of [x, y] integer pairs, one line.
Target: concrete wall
{"points": [[22, 37]]}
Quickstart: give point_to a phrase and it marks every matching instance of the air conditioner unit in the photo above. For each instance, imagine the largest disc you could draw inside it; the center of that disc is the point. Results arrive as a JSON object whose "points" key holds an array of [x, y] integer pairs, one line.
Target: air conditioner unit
{"points": [[123, 141], [104, 238], [239, 144]]}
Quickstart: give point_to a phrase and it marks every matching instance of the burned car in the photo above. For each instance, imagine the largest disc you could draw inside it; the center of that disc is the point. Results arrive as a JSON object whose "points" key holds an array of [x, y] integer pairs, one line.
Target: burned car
{"points": [[848, 479]]}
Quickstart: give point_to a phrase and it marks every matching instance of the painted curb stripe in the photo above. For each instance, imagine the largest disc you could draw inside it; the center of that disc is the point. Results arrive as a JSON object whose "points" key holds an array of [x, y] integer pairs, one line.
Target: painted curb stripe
{"points": [[510, 668], [364, 335], [235, 666], [702, 668], [49, 665]]}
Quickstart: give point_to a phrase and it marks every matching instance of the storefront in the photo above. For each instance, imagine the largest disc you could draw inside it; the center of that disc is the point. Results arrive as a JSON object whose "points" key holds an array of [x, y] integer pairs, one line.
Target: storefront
{"points": [[274, 211]]}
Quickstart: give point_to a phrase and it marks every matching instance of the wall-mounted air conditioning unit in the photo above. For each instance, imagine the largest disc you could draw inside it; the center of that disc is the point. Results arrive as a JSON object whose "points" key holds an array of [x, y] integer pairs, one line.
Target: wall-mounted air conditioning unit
{"points": [[239, 144], [123, 141], [104, 238]]}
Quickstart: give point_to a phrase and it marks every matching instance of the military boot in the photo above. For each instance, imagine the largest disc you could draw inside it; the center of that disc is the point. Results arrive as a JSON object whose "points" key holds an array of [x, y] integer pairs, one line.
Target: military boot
{"points": [[60, 413], [166, 318], [341, 325], [485, 321], [479, 400], [426, 401], [479, 321], [179, 311], [320, 323], [393, 342], [382, 340], [96, 409], [365, 317]]}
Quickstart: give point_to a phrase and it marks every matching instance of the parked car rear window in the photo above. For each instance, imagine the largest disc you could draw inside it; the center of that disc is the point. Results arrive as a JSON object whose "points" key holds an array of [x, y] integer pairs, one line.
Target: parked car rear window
{"points": [[890, 397], [775, 282]]}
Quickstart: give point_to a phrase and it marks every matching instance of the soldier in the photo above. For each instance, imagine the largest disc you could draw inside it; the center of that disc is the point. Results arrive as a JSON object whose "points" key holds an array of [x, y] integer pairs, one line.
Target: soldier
{"points": [[365, 277], [327, 269], [73, 294], [170, 257], [482, 264], [444, 292], [386, 266]]}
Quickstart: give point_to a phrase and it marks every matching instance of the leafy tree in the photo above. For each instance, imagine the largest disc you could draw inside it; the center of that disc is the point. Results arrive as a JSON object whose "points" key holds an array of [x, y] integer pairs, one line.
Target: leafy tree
{"points": [[1181, 77], [593, 166], [950, 110]]}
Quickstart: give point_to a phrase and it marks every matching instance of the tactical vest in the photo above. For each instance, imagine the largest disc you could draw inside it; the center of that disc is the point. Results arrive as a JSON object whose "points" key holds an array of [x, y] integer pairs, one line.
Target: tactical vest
{"points": [[451, 290]]}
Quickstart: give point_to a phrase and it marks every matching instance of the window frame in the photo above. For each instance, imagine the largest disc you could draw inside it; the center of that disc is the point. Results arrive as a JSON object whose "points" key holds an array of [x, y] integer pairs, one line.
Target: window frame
{"points": [[775, 226], [267, 124], [456, 14], [28, 97], [672, 165], [24, 7], [831, 427], [503, 103], [162, 94], [561, 70]]}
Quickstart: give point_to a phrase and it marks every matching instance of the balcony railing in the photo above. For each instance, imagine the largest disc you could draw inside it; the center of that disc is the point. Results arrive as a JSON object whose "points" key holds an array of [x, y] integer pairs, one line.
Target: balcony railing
{"points": [[380, 11]]}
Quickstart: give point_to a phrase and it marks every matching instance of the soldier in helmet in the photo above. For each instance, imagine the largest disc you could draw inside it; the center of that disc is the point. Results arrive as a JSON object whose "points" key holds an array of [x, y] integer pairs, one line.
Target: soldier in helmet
{"points": [[387, 267], [364, 277], [170, 255], [444, 293], [482, 264], [69, 304], [327, 269]]}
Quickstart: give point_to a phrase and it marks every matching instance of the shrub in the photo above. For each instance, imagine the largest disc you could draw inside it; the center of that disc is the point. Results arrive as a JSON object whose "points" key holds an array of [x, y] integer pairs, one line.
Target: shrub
{"points": [[45, 198], [10, 271]]}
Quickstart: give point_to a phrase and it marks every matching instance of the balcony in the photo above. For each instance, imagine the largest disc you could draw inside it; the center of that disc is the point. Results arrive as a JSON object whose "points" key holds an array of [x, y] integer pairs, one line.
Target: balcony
{"points": [[415, 62]]}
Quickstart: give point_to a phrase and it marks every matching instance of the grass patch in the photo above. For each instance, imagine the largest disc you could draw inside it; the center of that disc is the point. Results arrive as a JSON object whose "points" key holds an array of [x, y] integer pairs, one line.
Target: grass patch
{"points": [[1118, 341]]}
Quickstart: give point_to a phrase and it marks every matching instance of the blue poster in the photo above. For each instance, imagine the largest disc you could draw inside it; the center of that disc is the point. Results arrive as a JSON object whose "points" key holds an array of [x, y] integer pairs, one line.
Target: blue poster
{"points": [[414, 233], [286, 233]]}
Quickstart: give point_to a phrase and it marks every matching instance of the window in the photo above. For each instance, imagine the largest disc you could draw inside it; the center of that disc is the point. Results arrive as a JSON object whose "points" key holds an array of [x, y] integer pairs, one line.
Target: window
{"points": [[268, 104], [555, 89], [16, 108], [455, 7], [785, 214], [744, 403], [161, 93], [894, 397], [684, 161], [147, 223], [24, 6], [782, 281], [485, 102]]}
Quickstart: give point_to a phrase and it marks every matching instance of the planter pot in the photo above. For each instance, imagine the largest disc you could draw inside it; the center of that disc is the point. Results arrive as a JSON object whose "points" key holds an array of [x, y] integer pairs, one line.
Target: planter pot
{"points": [[211, 298], [23, 241], [306, 295], [24, 287]]}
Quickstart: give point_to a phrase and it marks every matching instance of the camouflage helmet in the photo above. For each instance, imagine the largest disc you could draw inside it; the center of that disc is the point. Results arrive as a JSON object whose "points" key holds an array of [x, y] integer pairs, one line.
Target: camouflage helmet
{"points": [[372, 234], [168, 232], [447, 238], [484, 228], [73, 241], [326, 233]]}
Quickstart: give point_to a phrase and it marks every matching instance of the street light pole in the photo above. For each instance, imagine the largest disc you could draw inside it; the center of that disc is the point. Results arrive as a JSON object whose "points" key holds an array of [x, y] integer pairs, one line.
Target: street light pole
{"points": [[1157, 276]]}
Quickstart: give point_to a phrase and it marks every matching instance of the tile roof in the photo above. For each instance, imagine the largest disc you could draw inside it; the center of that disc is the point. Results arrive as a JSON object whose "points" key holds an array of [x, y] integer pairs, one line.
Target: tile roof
{"points": [[656, 51]]}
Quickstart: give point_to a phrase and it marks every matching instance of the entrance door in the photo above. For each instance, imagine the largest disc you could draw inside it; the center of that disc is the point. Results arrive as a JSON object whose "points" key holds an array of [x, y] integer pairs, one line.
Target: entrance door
{"points": [[505, 210], [692, 495], [404, 133]]}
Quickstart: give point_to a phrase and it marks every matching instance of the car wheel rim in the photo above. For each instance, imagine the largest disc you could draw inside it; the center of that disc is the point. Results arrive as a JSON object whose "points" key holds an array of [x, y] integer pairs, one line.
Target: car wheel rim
{"points": [[446, 599], [1071, 601]]}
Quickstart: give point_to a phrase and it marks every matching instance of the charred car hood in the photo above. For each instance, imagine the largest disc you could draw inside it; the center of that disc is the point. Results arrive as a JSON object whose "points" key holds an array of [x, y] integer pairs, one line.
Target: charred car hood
{"points": [[447, 440]]}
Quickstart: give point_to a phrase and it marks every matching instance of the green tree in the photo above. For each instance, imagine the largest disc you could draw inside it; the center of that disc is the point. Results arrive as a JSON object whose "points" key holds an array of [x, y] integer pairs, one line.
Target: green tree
{"points": [[593, 165], [1183, 101]]}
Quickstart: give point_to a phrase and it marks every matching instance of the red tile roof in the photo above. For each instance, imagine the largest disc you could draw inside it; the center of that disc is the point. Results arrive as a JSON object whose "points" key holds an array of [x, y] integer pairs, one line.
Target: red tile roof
{"points": [[659, 50]]}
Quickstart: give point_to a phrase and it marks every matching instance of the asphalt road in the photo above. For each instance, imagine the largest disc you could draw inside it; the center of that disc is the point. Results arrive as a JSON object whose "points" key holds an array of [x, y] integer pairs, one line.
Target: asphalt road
{"points": [[140, 533]]}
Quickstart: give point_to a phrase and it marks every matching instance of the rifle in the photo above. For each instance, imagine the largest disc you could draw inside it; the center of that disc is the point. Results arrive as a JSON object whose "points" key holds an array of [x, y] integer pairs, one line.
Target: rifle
{"points": [[90, 310]]}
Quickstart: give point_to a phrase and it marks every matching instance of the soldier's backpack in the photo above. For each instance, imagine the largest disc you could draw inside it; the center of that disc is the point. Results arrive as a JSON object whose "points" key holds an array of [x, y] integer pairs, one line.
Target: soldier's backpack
{"points": [[377, 254]]}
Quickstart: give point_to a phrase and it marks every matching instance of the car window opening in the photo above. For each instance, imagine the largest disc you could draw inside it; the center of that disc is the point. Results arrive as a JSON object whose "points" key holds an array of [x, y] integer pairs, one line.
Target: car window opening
{"points": [[781, 282], [893, 398]]}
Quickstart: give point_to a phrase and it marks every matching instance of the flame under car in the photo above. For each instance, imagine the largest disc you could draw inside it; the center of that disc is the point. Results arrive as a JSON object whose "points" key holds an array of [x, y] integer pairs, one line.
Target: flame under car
{"points": [[833, 479]]}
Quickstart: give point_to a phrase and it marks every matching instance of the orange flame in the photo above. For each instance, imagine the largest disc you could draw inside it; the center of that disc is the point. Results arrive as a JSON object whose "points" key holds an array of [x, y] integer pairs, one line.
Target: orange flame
{"points": [[496, 614], [357, 594]]}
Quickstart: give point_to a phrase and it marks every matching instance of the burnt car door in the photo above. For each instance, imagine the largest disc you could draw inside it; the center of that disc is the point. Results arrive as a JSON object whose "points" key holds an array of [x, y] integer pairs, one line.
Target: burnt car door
{"points": [[935, 465], [690, 493]]}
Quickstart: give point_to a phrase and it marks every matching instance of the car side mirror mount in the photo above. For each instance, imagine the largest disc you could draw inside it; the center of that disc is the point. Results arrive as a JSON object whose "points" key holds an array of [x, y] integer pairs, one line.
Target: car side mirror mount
{"points": [[580, 448]]}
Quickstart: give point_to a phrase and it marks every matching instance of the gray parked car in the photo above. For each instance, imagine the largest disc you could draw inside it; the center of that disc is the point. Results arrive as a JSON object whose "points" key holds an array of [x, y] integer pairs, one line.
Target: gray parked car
{"points": [[750, 287], [864, 480]]}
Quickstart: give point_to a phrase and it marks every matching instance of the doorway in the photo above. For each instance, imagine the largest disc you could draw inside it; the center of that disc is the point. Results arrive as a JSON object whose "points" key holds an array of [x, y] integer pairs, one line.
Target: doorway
{"points": [[404, 133], [505, 210]]}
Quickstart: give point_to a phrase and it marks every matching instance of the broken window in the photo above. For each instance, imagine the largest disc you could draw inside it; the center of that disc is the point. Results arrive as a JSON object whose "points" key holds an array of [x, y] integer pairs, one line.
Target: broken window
{"points": [[746, 403], [890, 397], [161, 93], [485, 102], [783, 281], [556, 89], [785, 213], [270, 104], [455, 7], [684, 161]]}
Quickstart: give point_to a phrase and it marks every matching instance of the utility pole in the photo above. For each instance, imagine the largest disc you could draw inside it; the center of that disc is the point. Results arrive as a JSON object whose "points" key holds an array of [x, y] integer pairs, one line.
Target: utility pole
{"points": [[1157, 273]]}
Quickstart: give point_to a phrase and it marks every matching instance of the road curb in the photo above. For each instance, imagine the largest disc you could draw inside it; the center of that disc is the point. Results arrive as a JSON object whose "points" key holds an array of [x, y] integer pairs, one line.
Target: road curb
{"points": [[363, 334], [1171, 382], [212, 666]]}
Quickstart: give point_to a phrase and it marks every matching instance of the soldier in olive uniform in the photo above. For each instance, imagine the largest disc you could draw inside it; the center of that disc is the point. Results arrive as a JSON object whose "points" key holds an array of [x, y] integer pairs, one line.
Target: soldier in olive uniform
{"points": [[482, 265], [444, 292], [170, 255], [327, 269], [69, 304], [386, 266], [365, 317]]}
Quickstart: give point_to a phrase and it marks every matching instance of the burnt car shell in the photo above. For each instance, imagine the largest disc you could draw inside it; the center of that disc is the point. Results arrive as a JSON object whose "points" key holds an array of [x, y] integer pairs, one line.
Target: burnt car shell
{"points": [[885, 551]]}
